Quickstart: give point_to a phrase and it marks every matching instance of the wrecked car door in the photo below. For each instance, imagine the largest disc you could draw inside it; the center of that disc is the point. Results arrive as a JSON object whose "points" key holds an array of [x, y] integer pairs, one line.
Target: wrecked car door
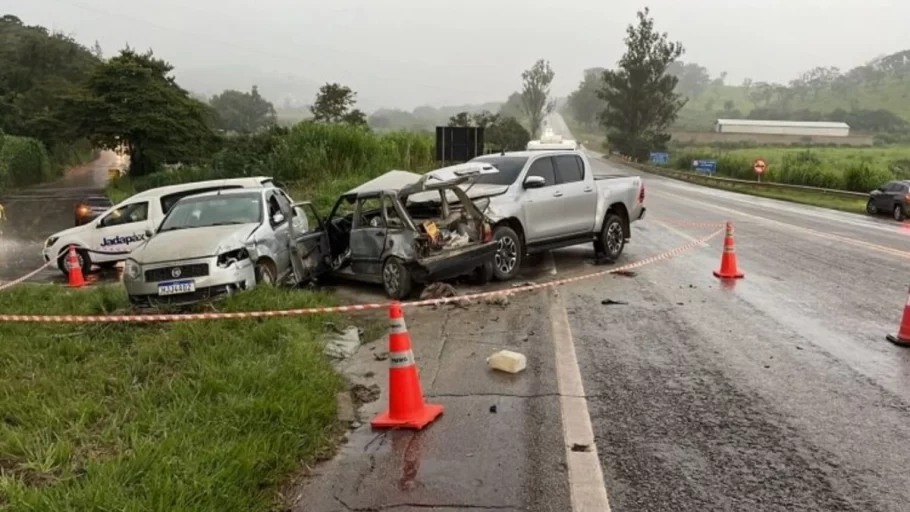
{"points": [[368, 234], [312, 242]]}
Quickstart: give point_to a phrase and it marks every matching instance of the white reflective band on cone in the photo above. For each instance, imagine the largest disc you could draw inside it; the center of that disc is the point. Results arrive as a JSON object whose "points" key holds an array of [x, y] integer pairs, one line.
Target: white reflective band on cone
{"points": [[401, 359], [397, 326]]}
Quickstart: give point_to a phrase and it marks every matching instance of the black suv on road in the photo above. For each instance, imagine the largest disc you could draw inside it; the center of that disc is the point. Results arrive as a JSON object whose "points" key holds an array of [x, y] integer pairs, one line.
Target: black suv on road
{"points": [[892, 198]]}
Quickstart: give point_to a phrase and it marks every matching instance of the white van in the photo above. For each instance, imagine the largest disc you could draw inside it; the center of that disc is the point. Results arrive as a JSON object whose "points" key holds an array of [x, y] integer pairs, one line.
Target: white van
{"points": [[107, 239], [550, 141]]}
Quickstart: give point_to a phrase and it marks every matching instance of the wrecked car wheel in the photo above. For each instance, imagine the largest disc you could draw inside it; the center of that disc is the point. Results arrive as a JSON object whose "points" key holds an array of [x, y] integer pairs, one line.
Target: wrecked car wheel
{"points": [[482, 274], [265, 276], [396, 279], [612, 239], [508, 255]]}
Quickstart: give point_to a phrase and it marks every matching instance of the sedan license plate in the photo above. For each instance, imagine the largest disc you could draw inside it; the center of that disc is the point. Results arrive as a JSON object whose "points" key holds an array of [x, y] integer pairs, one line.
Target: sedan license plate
{"points": [[176, 287]]}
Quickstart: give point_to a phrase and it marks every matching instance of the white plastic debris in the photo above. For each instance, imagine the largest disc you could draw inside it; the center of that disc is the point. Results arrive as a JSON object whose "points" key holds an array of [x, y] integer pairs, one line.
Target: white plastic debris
{"points": [[508, 361], [342, 343]]}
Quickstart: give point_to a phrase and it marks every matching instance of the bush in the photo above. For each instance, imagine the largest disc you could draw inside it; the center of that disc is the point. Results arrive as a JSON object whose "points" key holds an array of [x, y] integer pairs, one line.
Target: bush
{"points": [[863, 177], [808, 169], [23, 161]]}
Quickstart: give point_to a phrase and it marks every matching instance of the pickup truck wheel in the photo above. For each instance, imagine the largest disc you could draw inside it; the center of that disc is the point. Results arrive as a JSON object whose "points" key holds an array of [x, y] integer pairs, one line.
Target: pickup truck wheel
{"points": [[396, 278], [509, 254], [611, 240]]}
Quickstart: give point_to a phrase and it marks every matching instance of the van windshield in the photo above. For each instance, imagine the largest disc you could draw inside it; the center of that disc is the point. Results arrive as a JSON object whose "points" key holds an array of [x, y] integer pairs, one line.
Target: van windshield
{"points": [[509, 169]]}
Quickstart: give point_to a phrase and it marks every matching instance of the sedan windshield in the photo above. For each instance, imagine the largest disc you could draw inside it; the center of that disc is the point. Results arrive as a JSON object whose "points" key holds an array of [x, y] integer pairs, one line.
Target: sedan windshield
{"points": [[509, 169], [214, 210]]}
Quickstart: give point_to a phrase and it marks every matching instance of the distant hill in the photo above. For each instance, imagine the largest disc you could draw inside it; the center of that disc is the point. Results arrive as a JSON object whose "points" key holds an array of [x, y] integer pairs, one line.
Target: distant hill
{"points": [[874, 97], [423, 118], [282, 89]]}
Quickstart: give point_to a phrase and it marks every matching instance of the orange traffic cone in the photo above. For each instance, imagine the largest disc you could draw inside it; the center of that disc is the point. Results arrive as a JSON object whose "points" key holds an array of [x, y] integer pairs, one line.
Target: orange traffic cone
{"points": [[76, 278], [902, 337], [728, 268], [406, 406]]}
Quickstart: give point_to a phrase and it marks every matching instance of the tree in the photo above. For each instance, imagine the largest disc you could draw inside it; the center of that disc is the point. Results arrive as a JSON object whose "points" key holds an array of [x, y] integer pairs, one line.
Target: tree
{"points": [[507, 134], [133, 99], [484, 119], [535, 93], [583, 103], [512, 107], [334, 104], [243, 112], [640, 100], [461, 119]]}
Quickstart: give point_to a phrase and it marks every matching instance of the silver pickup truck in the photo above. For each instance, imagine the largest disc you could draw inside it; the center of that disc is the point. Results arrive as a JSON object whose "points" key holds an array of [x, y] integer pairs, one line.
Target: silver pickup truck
{"points": [[541, 200]]}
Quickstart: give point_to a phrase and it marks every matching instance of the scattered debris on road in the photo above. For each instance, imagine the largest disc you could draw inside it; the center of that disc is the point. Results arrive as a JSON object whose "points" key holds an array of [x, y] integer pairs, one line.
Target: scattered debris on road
{"points": [[576, 447], [498, 300], [365, 394], [346, 412], [493, 408], [508, 361], [611, 302], [342, 343], [625, 273]]}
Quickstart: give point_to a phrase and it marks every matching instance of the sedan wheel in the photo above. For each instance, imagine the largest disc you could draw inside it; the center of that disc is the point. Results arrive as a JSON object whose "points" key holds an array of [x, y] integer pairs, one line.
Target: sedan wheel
{"points": [[396, 279], [899, 213], [264, 275], [870, 207]]}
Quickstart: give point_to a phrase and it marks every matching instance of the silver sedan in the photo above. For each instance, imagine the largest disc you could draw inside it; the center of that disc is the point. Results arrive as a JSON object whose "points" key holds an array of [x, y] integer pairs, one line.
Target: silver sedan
{"points": [[213, 244]]}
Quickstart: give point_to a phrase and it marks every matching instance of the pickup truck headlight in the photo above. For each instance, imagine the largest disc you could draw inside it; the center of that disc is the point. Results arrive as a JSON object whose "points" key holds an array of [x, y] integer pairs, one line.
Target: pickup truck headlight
{"points": [[131, 269], [227, 258], [51, 241]]}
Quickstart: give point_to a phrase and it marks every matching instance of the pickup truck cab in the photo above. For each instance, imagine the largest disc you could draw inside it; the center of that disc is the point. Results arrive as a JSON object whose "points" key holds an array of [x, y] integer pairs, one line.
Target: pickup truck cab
{"points": [[109, 238], [547, 199]]}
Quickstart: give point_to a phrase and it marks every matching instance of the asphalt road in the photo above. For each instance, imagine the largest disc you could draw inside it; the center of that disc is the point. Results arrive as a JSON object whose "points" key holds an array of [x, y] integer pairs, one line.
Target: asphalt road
{"points": [[37, 212], [778, 392]]}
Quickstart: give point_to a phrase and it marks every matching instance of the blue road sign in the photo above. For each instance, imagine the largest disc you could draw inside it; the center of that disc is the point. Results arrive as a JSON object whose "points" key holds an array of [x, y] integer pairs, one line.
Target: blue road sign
{"points": [[706, 166], [660, 158]]}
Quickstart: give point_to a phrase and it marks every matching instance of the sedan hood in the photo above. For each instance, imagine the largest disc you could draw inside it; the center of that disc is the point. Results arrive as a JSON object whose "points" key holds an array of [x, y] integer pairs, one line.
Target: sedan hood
{"points": [[184, 244]]}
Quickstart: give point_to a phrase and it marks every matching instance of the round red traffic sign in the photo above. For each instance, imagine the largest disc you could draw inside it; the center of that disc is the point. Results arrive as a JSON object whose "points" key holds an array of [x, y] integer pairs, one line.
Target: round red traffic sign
{"points": [[759, 166]]}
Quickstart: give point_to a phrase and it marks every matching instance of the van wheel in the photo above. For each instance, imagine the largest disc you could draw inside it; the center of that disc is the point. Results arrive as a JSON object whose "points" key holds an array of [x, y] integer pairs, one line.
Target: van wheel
{"points": [[85, 262], [611, 240], [396, 278], [509, 254]]}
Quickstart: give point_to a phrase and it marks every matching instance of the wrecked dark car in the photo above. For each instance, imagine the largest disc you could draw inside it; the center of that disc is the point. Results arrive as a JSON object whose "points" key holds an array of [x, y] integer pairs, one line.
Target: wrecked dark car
{"points": [[375, 234]]}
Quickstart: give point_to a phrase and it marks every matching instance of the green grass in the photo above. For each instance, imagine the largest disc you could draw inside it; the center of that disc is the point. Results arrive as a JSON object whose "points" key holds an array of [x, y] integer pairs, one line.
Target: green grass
{"points": [[209, 415], [840, 158]]}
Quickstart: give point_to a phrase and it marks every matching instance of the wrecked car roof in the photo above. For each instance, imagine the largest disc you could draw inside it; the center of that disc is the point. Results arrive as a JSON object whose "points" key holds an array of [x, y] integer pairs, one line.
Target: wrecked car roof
{"points": [[390, 181]]}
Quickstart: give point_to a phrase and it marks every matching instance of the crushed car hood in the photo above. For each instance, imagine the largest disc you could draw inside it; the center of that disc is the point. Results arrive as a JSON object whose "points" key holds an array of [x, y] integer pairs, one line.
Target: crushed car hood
{"points": [[184, 244]]}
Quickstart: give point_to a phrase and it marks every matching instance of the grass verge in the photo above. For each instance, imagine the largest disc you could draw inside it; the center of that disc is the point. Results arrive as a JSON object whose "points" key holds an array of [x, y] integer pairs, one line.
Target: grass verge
{"points": [[808, 197], [208, 415]]}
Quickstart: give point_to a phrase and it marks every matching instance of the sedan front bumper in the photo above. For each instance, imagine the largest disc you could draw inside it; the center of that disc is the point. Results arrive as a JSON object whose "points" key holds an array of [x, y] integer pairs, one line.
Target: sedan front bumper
{"points": [[185, 282]]}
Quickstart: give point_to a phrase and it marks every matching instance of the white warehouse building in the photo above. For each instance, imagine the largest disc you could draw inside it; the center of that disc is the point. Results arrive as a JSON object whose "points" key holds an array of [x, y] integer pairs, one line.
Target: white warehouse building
{"points": [[806, 128]]}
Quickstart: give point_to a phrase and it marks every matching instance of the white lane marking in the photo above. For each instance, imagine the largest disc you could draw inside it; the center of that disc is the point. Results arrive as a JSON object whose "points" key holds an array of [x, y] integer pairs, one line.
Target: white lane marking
{"points": [[682, 233], [586, 481], [820, 234]]}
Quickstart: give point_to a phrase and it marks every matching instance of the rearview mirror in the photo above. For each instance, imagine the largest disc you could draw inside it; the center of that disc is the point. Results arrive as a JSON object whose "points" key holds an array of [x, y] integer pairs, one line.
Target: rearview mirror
{"points": [[535, 182]]}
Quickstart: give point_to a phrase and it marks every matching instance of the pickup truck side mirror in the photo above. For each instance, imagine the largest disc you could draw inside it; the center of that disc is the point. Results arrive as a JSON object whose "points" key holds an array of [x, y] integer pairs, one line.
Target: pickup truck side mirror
{"points": [[535, 182]]}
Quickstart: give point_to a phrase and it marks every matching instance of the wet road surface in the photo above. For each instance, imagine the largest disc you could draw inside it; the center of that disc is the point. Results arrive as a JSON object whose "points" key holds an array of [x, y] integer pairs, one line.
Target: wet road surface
{"points": [[775, 392], [37, 212]]}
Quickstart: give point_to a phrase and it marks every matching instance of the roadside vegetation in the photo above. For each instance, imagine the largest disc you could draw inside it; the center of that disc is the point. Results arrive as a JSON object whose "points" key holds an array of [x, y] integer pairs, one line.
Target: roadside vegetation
{"points": [[36, 140], [208, 415]]}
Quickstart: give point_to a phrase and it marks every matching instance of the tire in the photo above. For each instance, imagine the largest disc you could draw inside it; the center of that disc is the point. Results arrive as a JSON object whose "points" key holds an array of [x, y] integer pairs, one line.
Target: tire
{"points": [[898, 213], [265, 275], [84, 259], [611, 240], [870, 207], [482, 274], [396, 279], [509, 255]]}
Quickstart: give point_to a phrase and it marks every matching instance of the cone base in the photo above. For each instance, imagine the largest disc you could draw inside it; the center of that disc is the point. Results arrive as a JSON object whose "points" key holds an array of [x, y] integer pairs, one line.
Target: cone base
{"points": [[729, 275], [897, 340], [416, 421]]}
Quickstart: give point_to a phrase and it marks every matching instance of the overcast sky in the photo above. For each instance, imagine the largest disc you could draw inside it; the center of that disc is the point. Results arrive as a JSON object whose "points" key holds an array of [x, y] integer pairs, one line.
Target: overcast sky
{"points": [[404, 53]]}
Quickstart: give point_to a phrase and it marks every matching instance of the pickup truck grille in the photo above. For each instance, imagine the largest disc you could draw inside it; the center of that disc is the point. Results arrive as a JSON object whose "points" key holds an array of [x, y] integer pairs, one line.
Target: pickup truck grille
{"points": [[186, 271]]}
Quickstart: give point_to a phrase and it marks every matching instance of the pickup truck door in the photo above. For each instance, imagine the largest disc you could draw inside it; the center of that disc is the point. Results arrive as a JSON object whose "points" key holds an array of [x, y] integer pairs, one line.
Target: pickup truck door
{"points": [[543, 206], [579, 200]]}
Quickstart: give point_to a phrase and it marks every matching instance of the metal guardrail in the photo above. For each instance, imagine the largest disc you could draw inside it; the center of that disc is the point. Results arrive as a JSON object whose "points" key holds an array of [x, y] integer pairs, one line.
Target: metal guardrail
{"points": [[688, 176]]}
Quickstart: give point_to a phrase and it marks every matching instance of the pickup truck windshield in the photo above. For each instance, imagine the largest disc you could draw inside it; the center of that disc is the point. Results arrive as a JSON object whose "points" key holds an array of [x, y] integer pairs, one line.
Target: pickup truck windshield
{"points": [[215, 210], [509, 169]]}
